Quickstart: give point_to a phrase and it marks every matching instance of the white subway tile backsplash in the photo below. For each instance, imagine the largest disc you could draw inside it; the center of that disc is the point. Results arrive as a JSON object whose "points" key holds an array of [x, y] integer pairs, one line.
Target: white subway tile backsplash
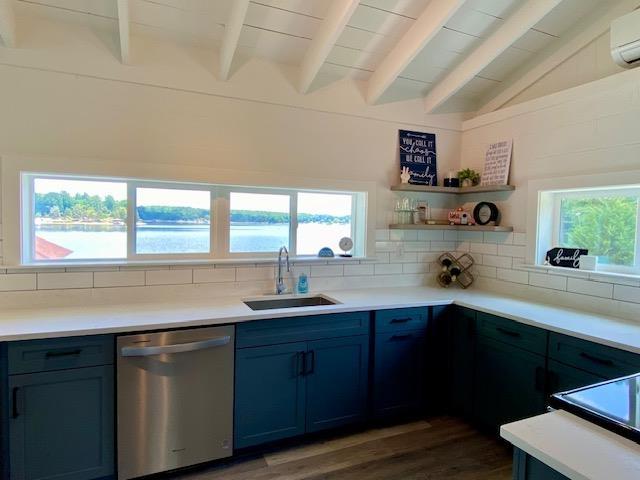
{"points": [[415, 268], [17, 281], [416, 246], [327, 270], [519, 238], [214, 275], [484, 248], [626, 293], [443, 246], [467, 236], [118, 279], [244, 274], [450, 236], [587, 287], [486, 271], [404, 257], [512, 251], [504, 238], [428, 257], [382, 235], [496, 261], [515, 276], [428, 235], [403, 235], [358, 270], [54, 281], [388, 268], [168, 277], [548, 281]]}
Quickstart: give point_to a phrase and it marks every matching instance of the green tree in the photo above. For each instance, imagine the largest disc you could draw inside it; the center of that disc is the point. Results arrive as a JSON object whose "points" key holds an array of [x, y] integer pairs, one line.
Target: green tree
{"points": [[606, 226]]}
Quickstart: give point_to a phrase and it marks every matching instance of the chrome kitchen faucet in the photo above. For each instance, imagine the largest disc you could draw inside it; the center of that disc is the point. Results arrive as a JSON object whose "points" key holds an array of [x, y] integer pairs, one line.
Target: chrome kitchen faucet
{"points": [[280, 285]]}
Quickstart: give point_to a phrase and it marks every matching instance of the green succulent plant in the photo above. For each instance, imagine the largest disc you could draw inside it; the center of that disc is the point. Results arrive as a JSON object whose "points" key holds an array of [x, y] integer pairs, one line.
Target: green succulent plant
{"points": [[470, 174]]}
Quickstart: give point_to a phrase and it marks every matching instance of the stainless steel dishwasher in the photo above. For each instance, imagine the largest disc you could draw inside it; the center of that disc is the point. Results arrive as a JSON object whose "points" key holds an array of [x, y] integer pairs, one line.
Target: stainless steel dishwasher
{"points": [[175, 399]]}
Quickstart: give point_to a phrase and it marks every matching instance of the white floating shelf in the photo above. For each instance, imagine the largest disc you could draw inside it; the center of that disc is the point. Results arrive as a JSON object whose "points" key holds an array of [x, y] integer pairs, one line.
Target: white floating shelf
{"points": [[407, 187], [477, 228]]}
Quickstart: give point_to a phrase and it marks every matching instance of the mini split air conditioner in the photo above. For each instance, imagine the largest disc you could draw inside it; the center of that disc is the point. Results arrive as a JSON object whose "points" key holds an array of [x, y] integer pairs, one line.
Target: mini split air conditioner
{"points": [[625, 40]]}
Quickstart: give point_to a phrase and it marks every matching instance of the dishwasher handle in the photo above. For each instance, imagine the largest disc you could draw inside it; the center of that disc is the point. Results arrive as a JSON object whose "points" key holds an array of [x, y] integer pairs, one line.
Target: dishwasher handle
{"points": [[175, 348]]}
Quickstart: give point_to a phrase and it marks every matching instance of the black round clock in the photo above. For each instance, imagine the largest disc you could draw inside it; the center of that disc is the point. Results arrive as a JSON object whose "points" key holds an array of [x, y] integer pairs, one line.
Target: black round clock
{"points": [[486, 212]]}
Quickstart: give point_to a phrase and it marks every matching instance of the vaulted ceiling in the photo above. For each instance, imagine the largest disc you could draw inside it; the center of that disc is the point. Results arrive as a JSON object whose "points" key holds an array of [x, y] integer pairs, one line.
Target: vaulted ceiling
{"points": [[453, 53]]}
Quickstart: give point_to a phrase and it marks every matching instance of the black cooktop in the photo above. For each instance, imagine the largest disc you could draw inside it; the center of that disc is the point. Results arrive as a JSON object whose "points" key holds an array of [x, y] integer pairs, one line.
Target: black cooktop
{"points": [[614, 405]]}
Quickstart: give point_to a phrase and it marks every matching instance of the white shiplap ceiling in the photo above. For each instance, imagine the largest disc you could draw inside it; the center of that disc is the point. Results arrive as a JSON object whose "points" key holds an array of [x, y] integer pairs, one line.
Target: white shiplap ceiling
{"points": [[282, 31]]}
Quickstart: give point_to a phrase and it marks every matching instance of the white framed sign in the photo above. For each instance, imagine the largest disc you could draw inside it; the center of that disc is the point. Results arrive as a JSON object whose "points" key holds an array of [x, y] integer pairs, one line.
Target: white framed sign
{"points": [[496, 163]]}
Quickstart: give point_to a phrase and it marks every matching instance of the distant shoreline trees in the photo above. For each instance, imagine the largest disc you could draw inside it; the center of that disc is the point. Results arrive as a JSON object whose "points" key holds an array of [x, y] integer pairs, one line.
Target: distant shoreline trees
{"points": [[62, 207]]}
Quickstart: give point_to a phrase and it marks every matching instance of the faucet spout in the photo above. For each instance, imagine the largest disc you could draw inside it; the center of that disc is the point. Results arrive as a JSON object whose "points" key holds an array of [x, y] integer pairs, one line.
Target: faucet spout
{"points": [[280, 285]]}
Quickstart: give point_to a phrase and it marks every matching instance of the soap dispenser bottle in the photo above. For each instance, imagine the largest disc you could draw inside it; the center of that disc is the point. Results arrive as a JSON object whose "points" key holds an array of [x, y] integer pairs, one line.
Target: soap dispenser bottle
{"points": [[303, 283]]}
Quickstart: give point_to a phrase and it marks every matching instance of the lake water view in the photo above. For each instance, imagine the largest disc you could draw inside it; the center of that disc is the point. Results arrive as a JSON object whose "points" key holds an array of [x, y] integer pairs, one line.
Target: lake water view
{"points": [[88, 241]]}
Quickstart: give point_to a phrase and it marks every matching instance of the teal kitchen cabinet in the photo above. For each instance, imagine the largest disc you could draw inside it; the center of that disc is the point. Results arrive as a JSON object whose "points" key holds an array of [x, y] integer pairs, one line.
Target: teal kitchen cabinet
{"points": [[316, 377], [399, 373], [462, 348], [509, 384], [270, 395], [561, 377], [62, 424], [526, 467], [337, 378]]}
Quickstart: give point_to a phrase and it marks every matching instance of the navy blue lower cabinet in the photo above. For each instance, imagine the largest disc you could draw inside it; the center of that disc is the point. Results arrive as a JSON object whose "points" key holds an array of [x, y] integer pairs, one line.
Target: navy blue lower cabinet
{"points": [[270, 393], [61, 424], [462, 347], [399, 373], [509, 384], [562, 377], [337, 375], [526, 467]]}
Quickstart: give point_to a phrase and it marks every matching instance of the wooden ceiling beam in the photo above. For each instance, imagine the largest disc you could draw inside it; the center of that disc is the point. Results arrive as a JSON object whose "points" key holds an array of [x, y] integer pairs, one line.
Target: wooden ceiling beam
{"points": [[231, 37], [511, 30], [423, 30], [124, 31], [578, 37], [8, 23], [323, 41]]}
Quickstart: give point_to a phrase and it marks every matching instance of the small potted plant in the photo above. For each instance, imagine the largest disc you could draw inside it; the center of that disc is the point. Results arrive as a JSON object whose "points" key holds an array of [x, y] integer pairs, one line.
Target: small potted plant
{"points": [[468, 177]]}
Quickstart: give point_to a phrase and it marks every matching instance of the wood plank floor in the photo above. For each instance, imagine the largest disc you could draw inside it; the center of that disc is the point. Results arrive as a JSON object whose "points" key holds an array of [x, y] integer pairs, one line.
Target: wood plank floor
{"points": [[439, 449]]}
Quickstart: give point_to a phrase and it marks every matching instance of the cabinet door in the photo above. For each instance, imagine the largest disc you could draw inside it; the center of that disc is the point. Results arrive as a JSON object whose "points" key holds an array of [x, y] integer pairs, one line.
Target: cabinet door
{"points": [[337, 381], [270, 393], [62, 424], [398, 379], [563, 377], [509, 384], [462, 346], [526, 467]]}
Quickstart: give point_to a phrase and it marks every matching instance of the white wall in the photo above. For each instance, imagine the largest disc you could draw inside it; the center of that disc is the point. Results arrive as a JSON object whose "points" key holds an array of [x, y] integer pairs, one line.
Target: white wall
{"points": [[590, 129]]}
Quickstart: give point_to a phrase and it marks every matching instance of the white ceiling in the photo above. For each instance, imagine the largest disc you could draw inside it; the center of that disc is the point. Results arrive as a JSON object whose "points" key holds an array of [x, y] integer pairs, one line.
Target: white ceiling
{"points": [[282, 30]]}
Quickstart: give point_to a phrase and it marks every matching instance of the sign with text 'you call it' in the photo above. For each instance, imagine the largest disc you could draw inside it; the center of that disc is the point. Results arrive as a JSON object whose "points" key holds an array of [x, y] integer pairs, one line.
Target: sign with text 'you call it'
{"points": [[418, 154]]}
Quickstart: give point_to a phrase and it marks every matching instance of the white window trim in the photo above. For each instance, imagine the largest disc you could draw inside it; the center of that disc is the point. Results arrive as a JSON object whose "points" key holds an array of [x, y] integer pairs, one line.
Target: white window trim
{"points": [[219, 230], [540, 211]]}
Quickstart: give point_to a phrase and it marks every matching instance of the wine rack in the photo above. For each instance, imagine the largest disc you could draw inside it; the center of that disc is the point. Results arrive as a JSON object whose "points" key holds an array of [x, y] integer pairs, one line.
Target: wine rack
{"points": [[455, 270]]}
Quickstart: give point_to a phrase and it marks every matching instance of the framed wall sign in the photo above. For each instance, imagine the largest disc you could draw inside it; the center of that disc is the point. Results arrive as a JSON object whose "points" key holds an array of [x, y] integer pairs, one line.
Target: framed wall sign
{"points": [[565, 257], [418, 155], [496, 163]]}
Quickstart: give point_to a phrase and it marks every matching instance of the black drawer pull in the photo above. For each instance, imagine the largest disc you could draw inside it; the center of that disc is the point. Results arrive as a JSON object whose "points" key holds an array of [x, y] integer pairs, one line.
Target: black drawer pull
{"points": [[401, 320], [301, 363], [311, 364], [405, 336], [67, 353], [601, 361], [508, 332], [15, 413]]}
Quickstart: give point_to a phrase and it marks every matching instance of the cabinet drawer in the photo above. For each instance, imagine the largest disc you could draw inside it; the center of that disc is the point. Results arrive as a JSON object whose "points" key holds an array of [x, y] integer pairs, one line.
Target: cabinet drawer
{"points": [[401, 319], [285, 330], [60, 353], [514, 333], [591, 357]]}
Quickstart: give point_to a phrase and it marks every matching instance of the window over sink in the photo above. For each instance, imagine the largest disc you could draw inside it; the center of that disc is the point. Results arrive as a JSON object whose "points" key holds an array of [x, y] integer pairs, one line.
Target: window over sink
{"points": [[69, 219]]}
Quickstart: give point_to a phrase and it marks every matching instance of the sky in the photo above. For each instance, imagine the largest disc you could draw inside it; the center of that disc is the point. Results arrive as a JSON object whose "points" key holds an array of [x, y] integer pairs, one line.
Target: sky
{"points": [[313, 203]]}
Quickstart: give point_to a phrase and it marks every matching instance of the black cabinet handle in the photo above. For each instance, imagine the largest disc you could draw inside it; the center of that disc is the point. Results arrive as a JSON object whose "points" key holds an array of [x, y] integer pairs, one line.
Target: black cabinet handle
{"points": [[402, 337], [310, 366], [15, 413], [598, 360], [401, 320], [301, 364], [508, 332], [67, 353]]}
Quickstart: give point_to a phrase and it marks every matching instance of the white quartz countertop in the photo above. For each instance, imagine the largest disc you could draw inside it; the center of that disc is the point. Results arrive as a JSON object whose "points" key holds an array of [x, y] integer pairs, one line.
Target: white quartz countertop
{"points": [[26, 324], [576, 448]]}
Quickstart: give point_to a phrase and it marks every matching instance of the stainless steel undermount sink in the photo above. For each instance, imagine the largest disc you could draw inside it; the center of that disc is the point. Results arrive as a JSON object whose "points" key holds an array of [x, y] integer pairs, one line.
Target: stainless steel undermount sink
{"points": [[270, 303]]}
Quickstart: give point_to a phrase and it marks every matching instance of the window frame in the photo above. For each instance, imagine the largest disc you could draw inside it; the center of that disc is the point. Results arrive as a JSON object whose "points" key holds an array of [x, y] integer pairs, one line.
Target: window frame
{"points": [[550, 205], [219, 239]]}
